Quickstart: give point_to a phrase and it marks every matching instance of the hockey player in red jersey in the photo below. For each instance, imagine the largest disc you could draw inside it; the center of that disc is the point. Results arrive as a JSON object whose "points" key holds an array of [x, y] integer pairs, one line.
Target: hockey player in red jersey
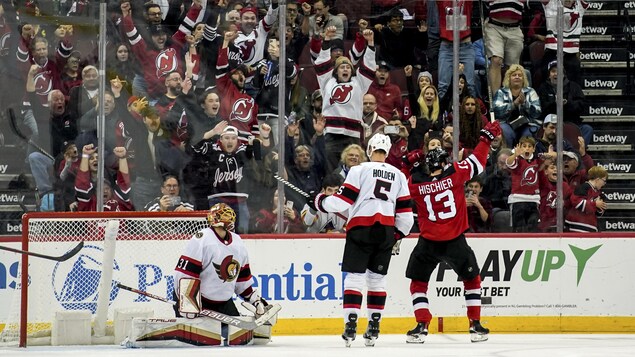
{"points": [[440, 200], [218, 257], [379, 212]]}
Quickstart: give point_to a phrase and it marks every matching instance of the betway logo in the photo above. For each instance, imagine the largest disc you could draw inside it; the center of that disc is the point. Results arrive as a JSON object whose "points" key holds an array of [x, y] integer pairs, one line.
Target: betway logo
{"points": [[3, 168], [629, 5], [5, 197], [619, 196], [620, 226], [605, 111], [594, 30], [612, 167], [599, 83], [596, 5], [608, 138], [596, 56]]}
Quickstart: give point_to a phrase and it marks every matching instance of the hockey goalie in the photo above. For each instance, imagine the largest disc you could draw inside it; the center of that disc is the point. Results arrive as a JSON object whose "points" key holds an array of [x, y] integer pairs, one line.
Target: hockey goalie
{"points": [[214, 267]]}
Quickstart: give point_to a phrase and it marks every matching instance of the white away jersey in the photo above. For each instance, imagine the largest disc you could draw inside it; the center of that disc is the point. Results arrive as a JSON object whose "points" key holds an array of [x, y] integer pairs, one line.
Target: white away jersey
{"points": [[222, 266], [373, 192]]}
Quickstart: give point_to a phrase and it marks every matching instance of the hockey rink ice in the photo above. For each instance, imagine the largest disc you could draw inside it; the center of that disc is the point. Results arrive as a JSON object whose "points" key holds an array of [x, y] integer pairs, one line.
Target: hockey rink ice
{"points": [[436, 345]]}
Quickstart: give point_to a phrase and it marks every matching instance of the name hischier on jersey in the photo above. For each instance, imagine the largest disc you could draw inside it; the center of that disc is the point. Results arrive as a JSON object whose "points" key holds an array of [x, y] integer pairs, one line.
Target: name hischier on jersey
{"points": [[436, 186]]}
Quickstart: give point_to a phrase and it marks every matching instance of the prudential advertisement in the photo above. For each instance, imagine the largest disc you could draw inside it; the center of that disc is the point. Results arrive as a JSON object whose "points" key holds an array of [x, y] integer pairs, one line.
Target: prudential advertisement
{"points": [[521, 277]]}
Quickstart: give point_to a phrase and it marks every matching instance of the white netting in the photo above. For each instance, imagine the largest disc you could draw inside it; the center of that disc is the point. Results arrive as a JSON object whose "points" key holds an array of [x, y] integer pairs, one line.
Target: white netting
{"points": [[147, 249]]}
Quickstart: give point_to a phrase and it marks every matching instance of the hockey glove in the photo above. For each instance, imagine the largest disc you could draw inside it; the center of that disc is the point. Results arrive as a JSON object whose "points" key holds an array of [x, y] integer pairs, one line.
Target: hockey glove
{"points": [[256, 304], [395, 247], [490, 132], [413, 158], [315, 201]]}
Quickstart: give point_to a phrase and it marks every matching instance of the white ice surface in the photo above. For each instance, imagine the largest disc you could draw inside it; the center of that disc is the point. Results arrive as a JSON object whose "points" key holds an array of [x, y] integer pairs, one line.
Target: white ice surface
{"points": [[436, 345]]}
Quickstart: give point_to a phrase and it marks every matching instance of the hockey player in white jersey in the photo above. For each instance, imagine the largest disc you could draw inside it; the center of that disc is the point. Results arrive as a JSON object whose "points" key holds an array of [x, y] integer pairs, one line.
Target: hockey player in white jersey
{"points": [[379, 214], [218, 257]]}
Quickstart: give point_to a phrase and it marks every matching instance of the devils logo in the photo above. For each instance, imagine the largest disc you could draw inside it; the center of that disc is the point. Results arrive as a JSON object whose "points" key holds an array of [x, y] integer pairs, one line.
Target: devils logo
{"points": [[166, 62], [242, 109], [228, 269], [341, 94], [530, 176]]}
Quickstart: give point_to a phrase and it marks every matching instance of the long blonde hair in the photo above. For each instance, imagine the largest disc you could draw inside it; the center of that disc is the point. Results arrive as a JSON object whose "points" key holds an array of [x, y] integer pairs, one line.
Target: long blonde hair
{"points": [[425, 111], [513, 68]]}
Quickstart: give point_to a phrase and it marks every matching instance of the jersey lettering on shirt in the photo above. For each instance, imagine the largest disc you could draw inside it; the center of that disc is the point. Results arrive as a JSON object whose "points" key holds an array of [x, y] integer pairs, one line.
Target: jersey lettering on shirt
{"points": [[441, 201]]}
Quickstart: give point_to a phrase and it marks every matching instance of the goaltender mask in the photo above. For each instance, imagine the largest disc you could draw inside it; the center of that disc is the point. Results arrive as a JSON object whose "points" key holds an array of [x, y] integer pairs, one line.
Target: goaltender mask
{"points": [[218, 257]]}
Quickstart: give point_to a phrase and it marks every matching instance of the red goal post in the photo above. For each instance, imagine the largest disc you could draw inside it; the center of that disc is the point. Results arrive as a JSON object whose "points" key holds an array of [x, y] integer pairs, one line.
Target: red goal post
{"points": [[148, 245]]}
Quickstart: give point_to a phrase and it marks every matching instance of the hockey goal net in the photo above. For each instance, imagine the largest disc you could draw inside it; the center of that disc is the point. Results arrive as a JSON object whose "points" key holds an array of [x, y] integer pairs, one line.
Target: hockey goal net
{"points": [[142, 254]]}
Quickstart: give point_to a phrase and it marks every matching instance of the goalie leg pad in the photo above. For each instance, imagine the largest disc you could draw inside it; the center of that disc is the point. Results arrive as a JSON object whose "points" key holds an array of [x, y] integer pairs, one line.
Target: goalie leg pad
{"points": [[182, 332]]}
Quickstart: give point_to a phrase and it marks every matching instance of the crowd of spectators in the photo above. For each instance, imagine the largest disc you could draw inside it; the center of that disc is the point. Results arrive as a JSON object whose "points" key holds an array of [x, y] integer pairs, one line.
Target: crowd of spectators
{"points": [[191, 104]]}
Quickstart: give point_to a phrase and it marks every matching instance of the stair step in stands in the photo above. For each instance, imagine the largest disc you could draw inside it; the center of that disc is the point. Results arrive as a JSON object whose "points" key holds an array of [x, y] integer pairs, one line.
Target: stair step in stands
{"points": [[602, 84], [605, 58]]}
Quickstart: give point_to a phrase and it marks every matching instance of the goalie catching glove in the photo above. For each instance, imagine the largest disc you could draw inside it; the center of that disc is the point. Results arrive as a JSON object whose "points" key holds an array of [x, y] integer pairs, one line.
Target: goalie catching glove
{"points": [[256, 304], [490, 132]]}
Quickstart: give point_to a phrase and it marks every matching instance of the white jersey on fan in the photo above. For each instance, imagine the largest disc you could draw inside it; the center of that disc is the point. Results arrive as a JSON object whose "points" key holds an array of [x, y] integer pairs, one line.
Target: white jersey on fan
{"points": [[374, 192], [342, 102], [222, 266]]}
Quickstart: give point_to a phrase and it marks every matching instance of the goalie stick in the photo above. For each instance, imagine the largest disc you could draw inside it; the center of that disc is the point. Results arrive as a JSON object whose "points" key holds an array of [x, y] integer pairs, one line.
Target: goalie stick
{"points": [[61, 258], [218, 316], [16, 130]]}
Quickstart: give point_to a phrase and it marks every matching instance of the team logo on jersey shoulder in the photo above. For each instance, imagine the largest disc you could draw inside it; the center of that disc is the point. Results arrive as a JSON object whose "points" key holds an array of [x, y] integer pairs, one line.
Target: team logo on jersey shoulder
{"points": [[341, 93], [166, 62], [228, 269]]}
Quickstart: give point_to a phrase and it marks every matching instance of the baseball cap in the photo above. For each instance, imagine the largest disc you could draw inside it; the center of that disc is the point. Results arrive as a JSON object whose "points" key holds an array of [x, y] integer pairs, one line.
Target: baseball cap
{"points": [[242, 67], [337, 44], [316, 94], [383, 65], [570, 155], [248, 9], [230, 130], [157, 29], [550, 119], [551, 65]]}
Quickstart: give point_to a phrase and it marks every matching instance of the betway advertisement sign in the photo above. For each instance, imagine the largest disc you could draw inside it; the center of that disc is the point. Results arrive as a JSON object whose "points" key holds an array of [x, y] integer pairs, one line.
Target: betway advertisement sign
{"points": [[521, 277]]}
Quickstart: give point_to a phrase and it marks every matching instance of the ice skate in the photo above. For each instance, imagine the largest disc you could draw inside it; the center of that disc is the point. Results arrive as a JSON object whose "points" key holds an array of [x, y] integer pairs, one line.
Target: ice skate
{"points": [[478, 333], [350, 330], [418, 334], [372, 332]]}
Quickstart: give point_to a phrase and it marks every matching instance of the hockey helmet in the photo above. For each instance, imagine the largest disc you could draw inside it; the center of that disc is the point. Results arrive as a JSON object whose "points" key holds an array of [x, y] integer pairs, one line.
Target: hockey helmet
{"points": [[221, 215], [378, 142], [436, 159]]}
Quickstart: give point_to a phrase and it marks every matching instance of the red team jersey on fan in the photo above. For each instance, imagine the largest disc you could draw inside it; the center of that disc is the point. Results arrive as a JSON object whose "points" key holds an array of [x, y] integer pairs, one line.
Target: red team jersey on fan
{"points": [[440, 199]]}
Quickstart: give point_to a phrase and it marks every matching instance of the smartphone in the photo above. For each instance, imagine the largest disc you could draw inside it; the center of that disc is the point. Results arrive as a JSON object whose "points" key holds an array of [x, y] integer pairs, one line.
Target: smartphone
{"points": [[391, 129], [289, 204], [175, 200]]}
